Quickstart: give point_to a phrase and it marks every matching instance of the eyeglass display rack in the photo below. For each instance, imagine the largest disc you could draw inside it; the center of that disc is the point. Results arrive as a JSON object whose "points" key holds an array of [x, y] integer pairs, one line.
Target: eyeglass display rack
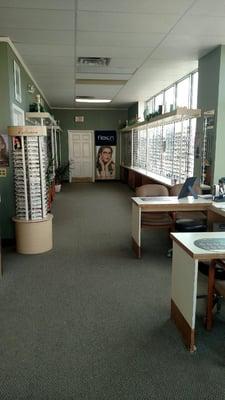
{"points": [[158, 158], [46, 119], [29, 161], [206, 154], [33, 223]]}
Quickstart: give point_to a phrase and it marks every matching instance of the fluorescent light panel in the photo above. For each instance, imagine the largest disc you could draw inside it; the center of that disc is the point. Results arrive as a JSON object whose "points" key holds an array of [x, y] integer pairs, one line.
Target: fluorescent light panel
{"points": [[92, 100]]}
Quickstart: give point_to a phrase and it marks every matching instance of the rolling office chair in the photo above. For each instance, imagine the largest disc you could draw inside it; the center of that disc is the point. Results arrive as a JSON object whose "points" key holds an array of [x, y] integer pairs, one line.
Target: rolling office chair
{"points": [[219, 289], [157, 219], [185, 221]]}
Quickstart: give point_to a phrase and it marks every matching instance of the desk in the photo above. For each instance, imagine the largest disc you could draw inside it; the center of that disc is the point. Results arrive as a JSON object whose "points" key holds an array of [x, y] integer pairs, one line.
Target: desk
{"points": [[160, 204], [184, 280]]}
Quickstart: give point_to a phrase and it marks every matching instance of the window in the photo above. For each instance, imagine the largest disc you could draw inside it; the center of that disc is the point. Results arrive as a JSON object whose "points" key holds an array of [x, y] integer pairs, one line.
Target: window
{"points": [[182, 93], [166, 150], [150, 106], [158, 101], [194, 92], [169, 103]]}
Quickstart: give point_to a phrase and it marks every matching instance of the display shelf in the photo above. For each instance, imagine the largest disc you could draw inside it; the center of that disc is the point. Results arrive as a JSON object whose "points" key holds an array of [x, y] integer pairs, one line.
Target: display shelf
{"points": [[40, 118], [206, 148], [177, 115], [29, 146], [46, 119]]}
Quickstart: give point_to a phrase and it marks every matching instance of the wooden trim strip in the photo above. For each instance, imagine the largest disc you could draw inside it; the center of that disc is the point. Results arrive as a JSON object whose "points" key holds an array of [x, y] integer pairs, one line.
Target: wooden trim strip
{"points": [[187, 333]]}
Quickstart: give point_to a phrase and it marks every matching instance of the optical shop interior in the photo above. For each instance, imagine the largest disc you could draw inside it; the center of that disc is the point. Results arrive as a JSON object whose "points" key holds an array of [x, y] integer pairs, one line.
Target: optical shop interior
{"points": [[112, 199]]}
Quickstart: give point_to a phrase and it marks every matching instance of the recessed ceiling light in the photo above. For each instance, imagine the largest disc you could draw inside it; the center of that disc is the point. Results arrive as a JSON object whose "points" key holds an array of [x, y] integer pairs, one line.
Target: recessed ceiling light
{"points": [[82, 100]]}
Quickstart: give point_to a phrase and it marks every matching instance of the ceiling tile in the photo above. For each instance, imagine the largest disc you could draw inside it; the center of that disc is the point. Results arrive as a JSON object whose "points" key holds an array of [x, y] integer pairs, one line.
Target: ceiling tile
{"points": [[45, 50], [151, 43], [57, 69], [105, 22], [209, 8], [48, 60], [40, 19], [118, 51], [36, 36], [99, 91], [134, 6], [177, 53], [103, 76], [200, 25], [45, 4], [122, 39]]}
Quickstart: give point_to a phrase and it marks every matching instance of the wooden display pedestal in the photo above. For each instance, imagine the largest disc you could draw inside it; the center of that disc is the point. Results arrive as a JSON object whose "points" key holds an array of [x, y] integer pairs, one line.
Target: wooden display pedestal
{"points": [[33, 237]]}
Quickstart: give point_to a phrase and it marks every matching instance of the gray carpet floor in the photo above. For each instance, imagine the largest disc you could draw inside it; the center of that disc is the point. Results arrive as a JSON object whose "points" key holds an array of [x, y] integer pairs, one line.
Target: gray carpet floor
{"points": [[88, 320]]}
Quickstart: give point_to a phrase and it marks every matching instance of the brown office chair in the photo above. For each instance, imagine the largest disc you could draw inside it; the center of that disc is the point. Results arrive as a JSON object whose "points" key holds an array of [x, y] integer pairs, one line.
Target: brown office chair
{"points": [[185, 221], [156, 219]]}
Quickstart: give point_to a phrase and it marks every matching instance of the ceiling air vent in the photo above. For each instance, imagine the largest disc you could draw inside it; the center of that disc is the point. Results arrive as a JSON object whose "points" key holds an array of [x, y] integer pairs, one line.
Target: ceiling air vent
{"points": [[94, 61]]}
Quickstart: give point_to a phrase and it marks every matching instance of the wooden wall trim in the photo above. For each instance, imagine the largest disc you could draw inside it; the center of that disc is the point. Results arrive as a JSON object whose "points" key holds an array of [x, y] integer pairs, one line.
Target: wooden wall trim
{"points": [[187, 333]]}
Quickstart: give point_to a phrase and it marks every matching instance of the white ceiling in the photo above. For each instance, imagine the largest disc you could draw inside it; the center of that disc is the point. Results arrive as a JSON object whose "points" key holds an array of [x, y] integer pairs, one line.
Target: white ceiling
{"points": [[151, 44]]}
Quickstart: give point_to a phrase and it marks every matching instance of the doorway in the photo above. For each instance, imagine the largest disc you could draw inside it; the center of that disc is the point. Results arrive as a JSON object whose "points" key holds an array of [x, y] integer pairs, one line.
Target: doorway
{"points": [[81, 156]]}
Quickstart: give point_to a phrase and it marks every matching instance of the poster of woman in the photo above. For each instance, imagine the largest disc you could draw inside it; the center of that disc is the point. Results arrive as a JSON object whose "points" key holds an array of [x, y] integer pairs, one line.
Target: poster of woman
{"points": [[105, 162], [105, 142], [4, 151]]}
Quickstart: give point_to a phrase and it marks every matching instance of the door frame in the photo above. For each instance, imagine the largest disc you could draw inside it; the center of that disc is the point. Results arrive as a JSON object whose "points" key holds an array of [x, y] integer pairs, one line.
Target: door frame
{"points": [[70, 133]]}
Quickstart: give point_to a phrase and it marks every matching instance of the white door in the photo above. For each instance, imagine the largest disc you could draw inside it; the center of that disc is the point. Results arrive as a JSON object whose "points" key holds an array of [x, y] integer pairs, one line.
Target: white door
{"points": [[81, 149]]}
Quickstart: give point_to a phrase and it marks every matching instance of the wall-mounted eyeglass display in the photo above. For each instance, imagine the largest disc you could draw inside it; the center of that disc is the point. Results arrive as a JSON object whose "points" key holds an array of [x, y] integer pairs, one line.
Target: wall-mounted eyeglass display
{"points": [[164, 146]]}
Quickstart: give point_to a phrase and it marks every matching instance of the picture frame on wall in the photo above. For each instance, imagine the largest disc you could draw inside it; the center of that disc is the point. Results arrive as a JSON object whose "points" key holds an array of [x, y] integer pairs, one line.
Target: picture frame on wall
{"points": [[17, 82]]}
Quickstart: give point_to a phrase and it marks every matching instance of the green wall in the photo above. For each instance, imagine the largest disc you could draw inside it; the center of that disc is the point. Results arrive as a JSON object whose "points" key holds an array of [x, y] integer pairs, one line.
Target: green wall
{"points": [[211, 96], [6, 183], [219, 163], [27, 98], [7, 98], [93, 120]]}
